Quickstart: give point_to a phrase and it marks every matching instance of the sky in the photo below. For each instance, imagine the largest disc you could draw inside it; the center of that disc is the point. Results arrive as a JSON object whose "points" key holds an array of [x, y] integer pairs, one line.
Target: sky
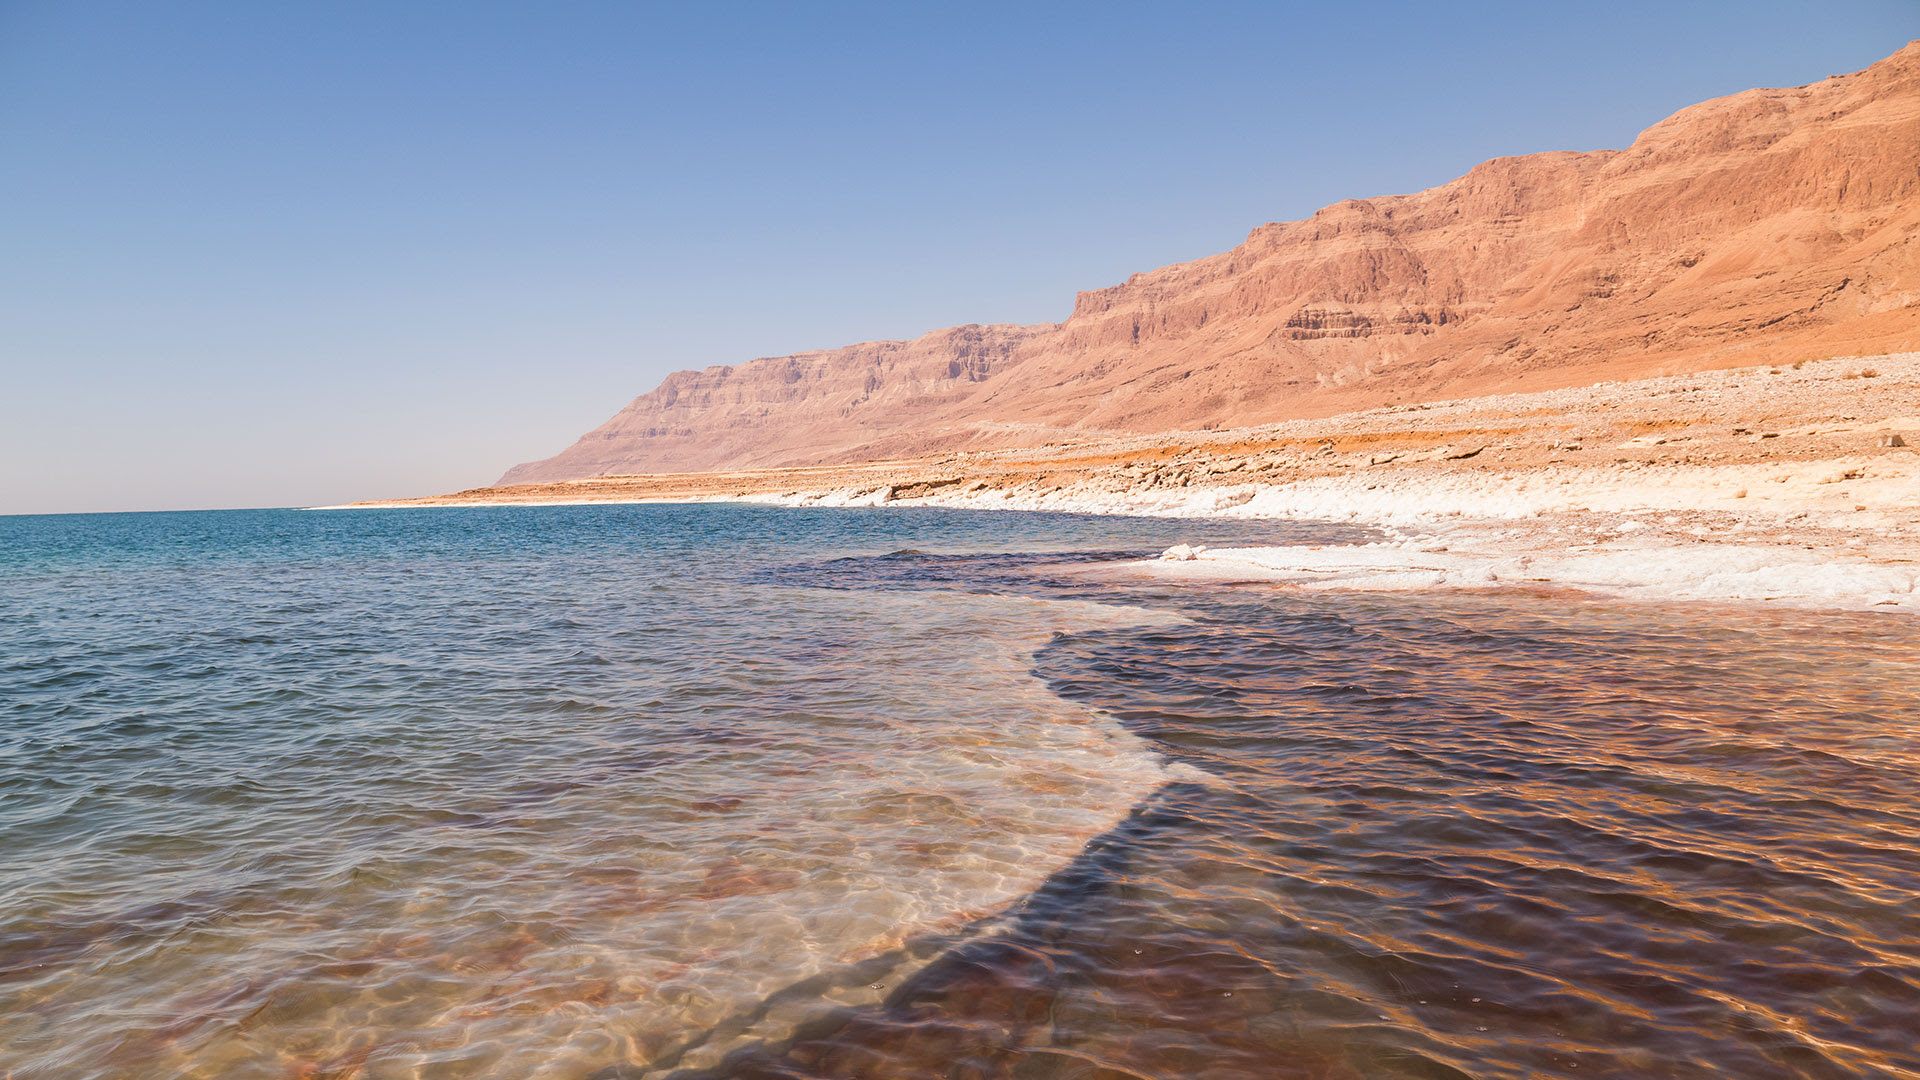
{"points": [[293, 253]]}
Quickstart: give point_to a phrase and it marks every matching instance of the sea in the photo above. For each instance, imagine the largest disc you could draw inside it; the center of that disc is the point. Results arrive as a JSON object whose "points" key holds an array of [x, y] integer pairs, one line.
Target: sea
{"points": [[620, 792]]}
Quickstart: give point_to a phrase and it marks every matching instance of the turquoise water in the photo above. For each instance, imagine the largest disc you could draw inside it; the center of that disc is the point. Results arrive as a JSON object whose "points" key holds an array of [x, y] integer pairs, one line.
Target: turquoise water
{"points": [[635, 791]]}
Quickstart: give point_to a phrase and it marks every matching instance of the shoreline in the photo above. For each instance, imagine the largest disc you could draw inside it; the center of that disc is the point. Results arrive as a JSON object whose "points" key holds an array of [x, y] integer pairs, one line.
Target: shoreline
{"points": [[1790, 486]]}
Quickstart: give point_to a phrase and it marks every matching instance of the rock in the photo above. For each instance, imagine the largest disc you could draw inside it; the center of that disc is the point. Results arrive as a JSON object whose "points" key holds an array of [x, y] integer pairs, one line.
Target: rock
{"points": [[1522, 269], [1892, 438], [1183, 552]]}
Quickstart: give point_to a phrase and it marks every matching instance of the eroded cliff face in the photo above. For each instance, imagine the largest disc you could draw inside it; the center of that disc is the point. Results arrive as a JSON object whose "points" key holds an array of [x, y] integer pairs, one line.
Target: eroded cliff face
{"points": [[1771, 225], [786, 409]]}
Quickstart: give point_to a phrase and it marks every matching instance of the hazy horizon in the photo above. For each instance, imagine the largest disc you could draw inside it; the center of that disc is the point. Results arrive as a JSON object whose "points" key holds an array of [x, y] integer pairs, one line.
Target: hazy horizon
{"points": [[266, 257]]}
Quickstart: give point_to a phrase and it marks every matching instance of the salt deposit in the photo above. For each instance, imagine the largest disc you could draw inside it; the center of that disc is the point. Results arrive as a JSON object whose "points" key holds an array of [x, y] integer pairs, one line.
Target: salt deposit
{"points": [[1782, 485]]}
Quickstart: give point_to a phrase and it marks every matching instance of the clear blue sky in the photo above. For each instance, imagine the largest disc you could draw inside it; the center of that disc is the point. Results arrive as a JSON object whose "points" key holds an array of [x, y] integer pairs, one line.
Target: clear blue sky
{"points": [[259, 254]]}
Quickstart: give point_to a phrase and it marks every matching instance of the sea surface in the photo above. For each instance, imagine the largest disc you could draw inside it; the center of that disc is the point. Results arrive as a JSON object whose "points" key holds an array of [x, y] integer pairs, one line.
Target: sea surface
{"points": [[735, 791]]}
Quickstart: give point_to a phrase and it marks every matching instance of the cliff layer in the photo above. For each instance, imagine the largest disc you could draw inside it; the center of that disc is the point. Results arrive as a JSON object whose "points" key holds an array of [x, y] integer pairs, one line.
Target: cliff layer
{"points": [[1772, 225]]}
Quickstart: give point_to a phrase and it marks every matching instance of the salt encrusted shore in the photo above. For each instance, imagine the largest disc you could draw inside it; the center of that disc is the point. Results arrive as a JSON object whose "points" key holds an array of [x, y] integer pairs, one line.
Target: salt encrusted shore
{"points": [[1795, 485]]}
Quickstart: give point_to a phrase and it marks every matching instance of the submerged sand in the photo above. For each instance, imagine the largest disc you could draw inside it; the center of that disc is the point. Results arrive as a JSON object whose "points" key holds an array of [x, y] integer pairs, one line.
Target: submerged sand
{"points": [[1796, 485]]}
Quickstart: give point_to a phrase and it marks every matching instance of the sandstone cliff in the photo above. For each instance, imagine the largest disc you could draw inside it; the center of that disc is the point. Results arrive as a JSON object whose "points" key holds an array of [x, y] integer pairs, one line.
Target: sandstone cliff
{"points": [[1769, 225]]}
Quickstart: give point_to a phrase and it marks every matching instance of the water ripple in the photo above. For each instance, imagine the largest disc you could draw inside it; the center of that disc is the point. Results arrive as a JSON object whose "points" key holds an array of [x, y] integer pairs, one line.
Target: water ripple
{"points": [[1465, 836], [625, 792], [505, 793]]}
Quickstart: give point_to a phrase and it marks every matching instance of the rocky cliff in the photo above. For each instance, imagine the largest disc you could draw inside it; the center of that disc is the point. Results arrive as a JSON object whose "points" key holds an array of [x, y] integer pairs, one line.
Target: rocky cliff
{"points": [[1771, 225], [782, 409]]}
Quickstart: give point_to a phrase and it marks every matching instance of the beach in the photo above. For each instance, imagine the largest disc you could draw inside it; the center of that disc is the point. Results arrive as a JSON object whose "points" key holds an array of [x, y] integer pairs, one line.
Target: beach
{"points": [[1793, 485]]}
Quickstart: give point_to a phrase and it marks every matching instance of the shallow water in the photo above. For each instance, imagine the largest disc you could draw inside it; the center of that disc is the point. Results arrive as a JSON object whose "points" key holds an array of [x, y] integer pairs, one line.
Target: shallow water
{"points": [[1466, 835], [755, 792], [507, 793]]}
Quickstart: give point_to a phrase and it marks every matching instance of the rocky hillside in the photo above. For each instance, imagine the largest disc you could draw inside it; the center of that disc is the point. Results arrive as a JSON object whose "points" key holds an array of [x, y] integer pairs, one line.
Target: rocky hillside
{"points": [[1771, 225], [805, 407]]}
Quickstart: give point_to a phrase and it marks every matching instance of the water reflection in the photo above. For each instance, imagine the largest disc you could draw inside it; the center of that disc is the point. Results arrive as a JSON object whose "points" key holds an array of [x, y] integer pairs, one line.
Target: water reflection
{"points": [[1465, 836]]}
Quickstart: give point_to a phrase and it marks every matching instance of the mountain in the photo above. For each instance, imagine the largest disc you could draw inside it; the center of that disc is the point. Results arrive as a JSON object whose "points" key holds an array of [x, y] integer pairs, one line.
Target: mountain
{"points": [[1768, 226]]}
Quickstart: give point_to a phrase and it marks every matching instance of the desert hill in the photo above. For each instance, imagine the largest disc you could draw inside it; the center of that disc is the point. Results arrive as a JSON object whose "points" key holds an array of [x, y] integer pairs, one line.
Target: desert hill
{"points": [[1768, 226]]}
